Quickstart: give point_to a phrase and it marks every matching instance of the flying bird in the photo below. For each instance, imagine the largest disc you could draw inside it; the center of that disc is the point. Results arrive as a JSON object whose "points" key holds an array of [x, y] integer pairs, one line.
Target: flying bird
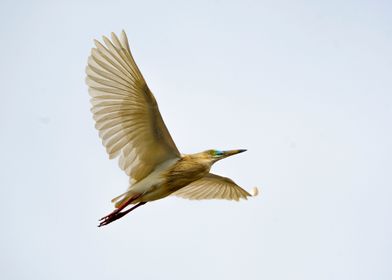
{"points": [[131, 127]]}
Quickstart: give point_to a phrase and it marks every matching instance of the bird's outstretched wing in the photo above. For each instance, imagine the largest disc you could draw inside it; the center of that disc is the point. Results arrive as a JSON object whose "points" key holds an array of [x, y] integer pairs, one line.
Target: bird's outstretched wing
{"points": [[125, 111], [213, 186]]}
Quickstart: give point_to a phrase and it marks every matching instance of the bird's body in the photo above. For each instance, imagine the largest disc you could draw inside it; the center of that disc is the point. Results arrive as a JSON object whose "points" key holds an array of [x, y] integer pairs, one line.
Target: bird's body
{"points": [[169, 177], [131, 128], [183, 172]]}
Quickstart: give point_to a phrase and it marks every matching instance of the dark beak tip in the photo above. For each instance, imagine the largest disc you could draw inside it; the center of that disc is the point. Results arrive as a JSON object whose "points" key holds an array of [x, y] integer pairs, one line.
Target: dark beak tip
{"points": [[233, 152]]}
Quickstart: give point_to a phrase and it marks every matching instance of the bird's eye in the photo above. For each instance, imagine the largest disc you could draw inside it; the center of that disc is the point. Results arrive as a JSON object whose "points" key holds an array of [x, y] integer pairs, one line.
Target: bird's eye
{"points": [[218, 153]]}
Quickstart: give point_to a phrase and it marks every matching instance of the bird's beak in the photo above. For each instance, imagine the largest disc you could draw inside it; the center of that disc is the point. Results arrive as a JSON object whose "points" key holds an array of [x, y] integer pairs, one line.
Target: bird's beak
{"points": [[232, 152]]}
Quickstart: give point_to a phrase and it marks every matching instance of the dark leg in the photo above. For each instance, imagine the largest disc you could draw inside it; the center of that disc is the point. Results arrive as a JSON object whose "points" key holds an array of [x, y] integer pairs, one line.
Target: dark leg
{"points": [[122, 206], [116, 214]]}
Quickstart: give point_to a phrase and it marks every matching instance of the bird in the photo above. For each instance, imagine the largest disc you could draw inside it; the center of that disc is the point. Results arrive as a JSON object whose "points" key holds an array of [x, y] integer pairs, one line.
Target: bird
{"points": [[131, 127]]}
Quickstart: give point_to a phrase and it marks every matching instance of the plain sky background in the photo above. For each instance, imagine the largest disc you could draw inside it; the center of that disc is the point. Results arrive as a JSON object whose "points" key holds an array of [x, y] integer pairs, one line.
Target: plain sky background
{"points": [[305, 86]]}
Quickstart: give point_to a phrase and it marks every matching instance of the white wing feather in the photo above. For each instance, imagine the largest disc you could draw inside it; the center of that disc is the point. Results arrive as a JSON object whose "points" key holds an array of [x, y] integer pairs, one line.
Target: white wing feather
{"points": [[125, 111], [213, 186]]}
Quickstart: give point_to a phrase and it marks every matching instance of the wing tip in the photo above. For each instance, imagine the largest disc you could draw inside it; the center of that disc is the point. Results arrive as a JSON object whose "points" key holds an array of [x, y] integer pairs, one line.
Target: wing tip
{"points": [[255, 192]]}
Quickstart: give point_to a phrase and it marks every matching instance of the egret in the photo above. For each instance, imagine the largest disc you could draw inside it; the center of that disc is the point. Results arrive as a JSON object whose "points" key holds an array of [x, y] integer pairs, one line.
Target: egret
{"points": [[131, 127]]}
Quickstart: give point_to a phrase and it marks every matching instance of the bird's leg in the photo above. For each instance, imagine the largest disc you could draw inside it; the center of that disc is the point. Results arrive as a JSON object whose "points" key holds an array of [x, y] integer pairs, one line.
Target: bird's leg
{"points": [[121, 207], [116, 214]]}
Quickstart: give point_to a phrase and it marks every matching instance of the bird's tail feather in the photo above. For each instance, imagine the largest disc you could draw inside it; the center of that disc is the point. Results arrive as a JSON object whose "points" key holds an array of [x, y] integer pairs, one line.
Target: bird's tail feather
{"points": [[117, 198], [126, 198]]}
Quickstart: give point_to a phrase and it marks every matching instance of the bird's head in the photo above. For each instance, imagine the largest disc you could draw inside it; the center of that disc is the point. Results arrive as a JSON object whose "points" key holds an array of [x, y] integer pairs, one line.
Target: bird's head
{"points": [[215, 155]]}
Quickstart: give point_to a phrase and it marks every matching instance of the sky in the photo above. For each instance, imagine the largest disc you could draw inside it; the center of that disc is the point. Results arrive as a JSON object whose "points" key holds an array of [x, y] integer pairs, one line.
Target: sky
{"points": [[305, 86]]}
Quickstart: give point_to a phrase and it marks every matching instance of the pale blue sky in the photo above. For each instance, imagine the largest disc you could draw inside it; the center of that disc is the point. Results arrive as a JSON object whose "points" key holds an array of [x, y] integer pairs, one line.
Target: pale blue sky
{"points": [[305, 86]]}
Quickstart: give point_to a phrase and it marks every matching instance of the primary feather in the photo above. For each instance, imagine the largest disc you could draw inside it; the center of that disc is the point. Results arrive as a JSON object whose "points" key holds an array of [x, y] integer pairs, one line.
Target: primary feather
{"points": [[213, 186], [126, 113]]}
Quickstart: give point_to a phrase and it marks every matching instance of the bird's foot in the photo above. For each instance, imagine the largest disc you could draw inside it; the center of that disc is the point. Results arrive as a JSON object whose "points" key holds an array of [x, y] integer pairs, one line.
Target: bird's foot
{"points": [[116, 214], [109, 218]]}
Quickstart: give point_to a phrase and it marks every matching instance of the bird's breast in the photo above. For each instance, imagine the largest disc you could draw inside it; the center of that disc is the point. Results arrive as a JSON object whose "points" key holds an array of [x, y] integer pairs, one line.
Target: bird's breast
{"points": [[185, 172]]}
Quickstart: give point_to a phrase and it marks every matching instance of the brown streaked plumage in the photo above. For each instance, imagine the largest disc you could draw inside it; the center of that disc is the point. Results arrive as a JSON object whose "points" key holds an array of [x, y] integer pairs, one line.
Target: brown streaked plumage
{"points": [[131, 128]]}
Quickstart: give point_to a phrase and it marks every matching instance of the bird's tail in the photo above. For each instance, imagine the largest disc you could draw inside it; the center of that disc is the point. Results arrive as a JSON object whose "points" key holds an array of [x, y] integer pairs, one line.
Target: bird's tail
{"points": [[129, 197]]}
